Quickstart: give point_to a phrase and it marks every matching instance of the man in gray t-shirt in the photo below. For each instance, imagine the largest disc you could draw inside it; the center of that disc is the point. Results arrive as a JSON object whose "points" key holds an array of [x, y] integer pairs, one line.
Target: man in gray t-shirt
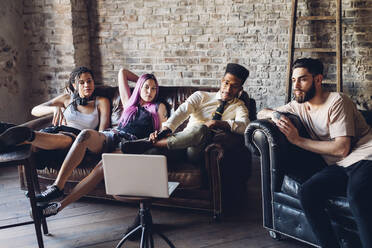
{"points": [[340, 134]]}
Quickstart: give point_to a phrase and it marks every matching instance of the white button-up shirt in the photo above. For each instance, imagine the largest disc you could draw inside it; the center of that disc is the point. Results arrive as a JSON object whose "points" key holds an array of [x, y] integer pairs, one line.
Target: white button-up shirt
{"points": [[200, 106]]}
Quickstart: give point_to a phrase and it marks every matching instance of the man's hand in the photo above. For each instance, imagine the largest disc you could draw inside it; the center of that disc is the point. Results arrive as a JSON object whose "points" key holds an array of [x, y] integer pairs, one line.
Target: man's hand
{"points": [[217, 124], [211, 123], [288, 129], [155, 135]]}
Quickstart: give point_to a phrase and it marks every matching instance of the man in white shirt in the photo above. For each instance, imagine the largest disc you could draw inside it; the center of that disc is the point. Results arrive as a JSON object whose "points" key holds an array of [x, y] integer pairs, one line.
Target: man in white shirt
{"points": [[340, 134], [208, 111]]}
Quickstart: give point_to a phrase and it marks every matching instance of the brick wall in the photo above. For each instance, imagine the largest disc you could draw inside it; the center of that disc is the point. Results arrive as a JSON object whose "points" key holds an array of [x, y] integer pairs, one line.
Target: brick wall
{"points": [[50, 46], [13, 81], [189, 42]]}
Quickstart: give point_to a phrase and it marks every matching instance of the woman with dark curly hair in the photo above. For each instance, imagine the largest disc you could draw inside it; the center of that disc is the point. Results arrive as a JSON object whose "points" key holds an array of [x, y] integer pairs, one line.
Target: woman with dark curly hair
{"points": [[73, 111]]}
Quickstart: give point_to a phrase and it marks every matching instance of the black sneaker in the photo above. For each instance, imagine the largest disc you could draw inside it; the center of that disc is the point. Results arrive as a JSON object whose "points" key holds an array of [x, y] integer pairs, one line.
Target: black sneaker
{"points": [[14, 136], [48, 210], [51, 193], [135, 146]]}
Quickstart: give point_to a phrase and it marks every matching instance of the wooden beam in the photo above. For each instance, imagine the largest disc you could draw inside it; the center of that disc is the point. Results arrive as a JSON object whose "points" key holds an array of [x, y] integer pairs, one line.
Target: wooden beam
{"points": [[339, 45], [316, 50], [316, 18], [291, 50]]}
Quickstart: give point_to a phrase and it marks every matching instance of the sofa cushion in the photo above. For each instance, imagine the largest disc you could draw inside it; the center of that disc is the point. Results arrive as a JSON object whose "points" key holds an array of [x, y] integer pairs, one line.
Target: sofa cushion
{"points": [[188, 175], [290, 186]]}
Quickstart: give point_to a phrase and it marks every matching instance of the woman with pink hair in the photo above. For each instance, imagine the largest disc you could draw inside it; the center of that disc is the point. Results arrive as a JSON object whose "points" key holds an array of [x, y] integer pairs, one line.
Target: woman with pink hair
{"points": [[141, 116]]}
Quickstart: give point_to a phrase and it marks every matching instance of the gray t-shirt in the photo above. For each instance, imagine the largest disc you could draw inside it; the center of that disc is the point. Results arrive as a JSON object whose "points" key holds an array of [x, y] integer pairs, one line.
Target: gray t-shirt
{"points": [[337, 117]]}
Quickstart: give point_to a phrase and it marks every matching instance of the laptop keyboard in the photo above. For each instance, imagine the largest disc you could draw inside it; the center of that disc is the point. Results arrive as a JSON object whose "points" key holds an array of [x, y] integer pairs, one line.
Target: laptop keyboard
{"points": [[172, 186]]}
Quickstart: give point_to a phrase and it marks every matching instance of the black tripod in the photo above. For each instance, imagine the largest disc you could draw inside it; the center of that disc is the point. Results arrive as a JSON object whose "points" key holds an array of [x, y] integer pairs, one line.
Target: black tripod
{"points": [[147, 240]]}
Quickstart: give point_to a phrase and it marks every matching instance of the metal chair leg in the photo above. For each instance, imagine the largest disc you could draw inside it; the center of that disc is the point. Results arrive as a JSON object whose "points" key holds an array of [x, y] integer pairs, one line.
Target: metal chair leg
{"points": [[35, 212]]}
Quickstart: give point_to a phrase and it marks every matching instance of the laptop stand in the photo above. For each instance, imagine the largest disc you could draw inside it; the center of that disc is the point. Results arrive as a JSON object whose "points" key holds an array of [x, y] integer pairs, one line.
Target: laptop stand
{"points": [[147, 227]]}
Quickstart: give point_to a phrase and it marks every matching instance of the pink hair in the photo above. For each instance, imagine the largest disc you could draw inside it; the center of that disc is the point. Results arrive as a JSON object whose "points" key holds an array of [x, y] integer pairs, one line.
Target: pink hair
{"points": [[131, 107]]}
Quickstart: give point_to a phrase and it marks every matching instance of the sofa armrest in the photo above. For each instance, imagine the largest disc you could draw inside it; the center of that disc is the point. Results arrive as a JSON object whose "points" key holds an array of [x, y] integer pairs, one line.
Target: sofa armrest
{"points": [[280, 156], [213, 157], [227, 164], [39, 123], [263, 138]]}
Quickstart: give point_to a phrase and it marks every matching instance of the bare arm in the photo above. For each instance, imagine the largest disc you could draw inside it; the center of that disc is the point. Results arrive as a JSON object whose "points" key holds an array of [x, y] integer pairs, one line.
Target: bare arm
{"points": [[123, 77], [265, 113], [339, 147], [55, 106], [104, 113], [163, 116], [50, 106], [162, 112]]}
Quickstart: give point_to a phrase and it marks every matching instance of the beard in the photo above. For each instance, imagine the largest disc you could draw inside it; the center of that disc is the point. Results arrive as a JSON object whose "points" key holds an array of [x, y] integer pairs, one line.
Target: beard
{"points": [[306, 95]]}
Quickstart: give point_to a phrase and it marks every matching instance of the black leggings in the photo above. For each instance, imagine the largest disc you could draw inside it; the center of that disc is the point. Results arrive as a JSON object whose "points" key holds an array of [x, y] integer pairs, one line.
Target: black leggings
{"points": [[356, 181]]}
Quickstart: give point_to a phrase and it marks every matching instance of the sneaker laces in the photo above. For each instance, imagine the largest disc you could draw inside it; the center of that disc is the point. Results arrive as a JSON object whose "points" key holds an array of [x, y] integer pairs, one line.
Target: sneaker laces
{"points": [[49, 190], [51, 209]]}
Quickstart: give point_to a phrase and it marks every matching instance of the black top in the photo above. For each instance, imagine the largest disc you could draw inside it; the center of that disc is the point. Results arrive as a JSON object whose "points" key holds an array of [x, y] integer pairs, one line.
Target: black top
{"points": [[141, 125]]}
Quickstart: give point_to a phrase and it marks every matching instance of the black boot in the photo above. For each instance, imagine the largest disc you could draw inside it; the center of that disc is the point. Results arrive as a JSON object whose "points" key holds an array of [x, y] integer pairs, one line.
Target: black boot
{"points": [[14, 136], [135, 146]]}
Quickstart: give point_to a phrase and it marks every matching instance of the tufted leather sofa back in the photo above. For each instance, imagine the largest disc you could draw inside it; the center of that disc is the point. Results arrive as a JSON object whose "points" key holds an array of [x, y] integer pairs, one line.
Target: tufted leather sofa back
{"points": [[172, 96]]}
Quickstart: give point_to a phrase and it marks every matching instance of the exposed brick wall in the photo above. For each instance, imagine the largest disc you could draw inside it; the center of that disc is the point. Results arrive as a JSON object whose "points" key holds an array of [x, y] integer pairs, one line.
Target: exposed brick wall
{"points": [[49, 46], [189, 42], [80, 32], [13, 82]]}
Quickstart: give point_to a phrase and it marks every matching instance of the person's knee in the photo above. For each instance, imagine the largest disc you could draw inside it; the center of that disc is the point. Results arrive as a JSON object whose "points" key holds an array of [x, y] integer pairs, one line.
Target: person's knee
{"points": [[201, 135], [84, 135]]}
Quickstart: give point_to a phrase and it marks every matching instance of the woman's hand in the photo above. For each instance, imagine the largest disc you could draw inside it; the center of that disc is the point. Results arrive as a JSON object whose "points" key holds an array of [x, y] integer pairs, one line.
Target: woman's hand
{"points": [[58, 117]]}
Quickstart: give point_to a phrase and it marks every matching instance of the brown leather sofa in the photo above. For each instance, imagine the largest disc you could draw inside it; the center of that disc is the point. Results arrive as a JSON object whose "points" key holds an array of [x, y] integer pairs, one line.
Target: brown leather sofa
{"points": [[205, 185]]}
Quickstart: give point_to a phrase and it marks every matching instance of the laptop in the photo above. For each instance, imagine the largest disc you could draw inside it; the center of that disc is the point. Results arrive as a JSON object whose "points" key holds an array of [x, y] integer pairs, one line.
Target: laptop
{"points": [[137, 175]]}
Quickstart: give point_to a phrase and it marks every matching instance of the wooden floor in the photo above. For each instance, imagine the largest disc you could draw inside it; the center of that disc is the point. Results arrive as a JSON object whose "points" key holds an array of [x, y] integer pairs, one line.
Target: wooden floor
{"points": [[96, 224]]}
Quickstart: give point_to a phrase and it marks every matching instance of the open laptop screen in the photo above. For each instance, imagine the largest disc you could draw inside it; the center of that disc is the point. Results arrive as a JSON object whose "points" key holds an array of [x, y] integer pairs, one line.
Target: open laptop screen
{"points": [[136, 175]]}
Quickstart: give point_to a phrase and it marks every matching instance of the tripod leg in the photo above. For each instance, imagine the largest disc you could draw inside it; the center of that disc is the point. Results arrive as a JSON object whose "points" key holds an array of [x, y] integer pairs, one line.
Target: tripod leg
{"points": [[127, 236], [166, 239], [143, 238], [151, 240]]}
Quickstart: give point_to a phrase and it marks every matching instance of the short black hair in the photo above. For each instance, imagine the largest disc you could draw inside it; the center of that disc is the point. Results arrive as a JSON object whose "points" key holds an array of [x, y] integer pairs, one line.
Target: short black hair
{"points": [[76, 73], [314, 66], [238, 71]]}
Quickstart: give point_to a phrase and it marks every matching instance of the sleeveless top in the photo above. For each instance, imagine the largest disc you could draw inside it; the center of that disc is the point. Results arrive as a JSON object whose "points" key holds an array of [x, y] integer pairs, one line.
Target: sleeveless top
{"points": [[81, 121], [140, 126]]}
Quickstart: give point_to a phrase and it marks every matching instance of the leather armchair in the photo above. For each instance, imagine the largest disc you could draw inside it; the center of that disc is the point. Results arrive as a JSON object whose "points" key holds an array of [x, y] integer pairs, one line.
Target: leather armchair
{"points": [[284, 167], [203, 185]]}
